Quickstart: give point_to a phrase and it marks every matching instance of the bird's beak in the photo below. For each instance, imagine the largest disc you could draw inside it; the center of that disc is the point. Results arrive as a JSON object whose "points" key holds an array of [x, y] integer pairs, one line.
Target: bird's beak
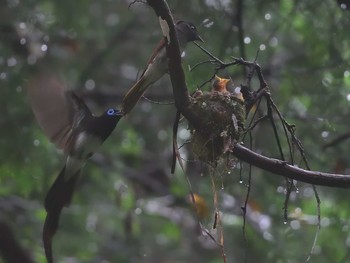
{"points": [[199, 38], [222, 81]]}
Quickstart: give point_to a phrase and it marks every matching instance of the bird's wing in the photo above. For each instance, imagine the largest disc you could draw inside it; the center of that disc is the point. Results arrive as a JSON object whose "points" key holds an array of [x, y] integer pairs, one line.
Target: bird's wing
{"points": [[47, 95], [80, 111], [161, 44], [79, 107], [136, 91]]}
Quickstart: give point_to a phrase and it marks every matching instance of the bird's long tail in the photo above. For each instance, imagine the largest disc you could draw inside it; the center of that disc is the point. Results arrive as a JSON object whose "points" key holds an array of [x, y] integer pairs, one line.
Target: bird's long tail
{"points": [[59, 195], [134, 94]]}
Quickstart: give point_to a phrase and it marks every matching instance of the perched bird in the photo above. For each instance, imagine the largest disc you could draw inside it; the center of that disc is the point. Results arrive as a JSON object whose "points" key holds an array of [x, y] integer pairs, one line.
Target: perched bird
{"points": [[68, 122], [157, 64]]}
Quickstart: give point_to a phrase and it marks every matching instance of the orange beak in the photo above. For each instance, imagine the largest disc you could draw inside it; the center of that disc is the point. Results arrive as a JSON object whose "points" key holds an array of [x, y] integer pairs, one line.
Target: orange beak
{"points": [[220, 84]]}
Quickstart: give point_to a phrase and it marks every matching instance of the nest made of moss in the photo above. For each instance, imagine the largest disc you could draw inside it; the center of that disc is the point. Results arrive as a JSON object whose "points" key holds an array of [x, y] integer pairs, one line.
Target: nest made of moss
{"points": [[222, 118]]}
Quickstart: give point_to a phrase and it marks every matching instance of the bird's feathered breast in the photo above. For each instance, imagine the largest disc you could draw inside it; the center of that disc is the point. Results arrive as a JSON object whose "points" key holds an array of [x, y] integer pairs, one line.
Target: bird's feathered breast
{"points": [[101, 126]]}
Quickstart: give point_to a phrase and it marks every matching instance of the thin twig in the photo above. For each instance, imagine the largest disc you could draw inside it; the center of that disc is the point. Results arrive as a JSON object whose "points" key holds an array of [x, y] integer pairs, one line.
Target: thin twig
{"points": [[244, 208], [337, 140], [157, 102]]}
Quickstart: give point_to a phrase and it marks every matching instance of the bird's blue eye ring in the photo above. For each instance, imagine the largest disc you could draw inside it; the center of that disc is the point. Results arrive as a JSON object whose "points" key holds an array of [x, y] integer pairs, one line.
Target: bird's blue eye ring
{"points": [[110, 112]]}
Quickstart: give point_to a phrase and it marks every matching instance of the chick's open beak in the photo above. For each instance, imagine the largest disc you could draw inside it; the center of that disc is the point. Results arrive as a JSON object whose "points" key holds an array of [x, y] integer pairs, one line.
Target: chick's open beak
{"points": [[221, 81]]}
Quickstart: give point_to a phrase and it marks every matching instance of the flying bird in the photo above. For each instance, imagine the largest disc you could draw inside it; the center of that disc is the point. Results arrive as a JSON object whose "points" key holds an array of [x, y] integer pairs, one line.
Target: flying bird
{"points": [[71, 126]]}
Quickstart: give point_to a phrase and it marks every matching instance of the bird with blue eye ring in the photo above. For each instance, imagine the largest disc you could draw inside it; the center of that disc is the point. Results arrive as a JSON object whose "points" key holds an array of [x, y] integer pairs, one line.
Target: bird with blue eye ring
{"points": [[70, 125]]}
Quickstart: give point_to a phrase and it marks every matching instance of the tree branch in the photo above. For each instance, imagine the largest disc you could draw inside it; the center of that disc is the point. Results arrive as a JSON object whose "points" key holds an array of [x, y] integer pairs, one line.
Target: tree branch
{"points": [[183, 102], [283, 168], [337, 140]]}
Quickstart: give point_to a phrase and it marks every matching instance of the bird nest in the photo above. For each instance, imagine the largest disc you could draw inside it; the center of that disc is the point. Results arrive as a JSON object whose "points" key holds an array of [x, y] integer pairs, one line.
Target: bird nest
{"points": [[222, 124]]}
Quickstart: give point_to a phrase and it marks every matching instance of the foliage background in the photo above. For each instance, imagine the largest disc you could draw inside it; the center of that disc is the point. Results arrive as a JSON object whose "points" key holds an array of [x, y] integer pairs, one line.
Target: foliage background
{"points": [[128, 207]]}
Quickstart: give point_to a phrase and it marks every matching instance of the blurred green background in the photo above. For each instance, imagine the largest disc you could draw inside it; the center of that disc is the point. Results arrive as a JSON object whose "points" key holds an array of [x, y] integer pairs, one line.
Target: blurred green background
{"points": [[127, 206]]}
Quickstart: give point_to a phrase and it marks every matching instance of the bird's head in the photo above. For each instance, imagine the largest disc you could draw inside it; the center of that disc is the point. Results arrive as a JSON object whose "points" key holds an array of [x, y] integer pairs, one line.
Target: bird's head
{"points": [[188, 31], [220, 84]]}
